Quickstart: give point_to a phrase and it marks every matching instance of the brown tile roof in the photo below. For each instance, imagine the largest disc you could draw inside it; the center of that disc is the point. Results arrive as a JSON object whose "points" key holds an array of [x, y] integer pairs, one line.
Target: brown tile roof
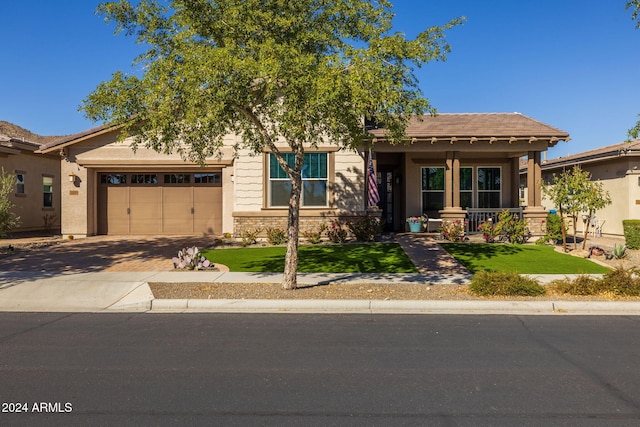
{"points": [[479, 125], [70, 139], [609, 151]]}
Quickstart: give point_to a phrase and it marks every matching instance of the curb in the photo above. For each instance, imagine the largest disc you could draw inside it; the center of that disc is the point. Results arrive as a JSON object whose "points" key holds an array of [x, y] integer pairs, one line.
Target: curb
{"points": [[396, 307]]}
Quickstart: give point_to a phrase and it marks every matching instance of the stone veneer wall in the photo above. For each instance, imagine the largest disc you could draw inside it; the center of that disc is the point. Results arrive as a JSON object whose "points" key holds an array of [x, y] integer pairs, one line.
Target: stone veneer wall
{"points": [[242, 223]]}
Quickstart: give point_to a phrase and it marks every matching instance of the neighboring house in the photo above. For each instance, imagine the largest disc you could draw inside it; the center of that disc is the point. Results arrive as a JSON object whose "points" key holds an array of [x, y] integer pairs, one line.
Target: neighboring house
{"points": [[37, 192], [451, 162], [617, 167]]}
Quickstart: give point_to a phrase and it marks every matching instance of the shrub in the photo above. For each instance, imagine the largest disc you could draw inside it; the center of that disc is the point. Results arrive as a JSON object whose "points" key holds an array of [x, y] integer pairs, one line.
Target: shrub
{"points": [[488, 231], [554, 226], [631, 229], [582, 285], [511, 229], [365, 228], [314, 237], [191, 259], [453, 231], [276, 236], [8, 219], [622, 282], [493, 283], [618, 282], [336, 233], [250, 237]]}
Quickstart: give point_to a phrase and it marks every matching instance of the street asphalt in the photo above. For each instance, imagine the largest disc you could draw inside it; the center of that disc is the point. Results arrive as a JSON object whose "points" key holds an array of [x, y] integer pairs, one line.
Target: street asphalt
{"points": [[130, 292]]}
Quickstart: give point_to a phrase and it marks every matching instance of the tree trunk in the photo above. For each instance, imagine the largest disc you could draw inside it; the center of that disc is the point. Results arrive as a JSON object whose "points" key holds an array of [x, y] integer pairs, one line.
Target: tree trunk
{"points": [[290, 277], [574, 220], [586, 231]]}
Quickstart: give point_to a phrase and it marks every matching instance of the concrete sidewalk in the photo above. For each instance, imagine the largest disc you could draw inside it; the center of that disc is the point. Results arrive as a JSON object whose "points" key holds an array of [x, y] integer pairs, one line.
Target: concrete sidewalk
{"points": [[129, 292]]}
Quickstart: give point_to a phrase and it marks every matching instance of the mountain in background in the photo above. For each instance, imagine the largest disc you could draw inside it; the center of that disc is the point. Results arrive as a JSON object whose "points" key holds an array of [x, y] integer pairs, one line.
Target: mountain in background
{"points": [[15, 131]]}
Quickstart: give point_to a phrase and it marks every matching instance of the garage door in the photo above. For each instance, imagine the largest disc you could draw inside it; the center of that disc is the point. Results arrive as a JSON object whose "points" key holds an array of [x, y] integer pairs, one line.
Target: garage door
{"points": [[160, 203]]}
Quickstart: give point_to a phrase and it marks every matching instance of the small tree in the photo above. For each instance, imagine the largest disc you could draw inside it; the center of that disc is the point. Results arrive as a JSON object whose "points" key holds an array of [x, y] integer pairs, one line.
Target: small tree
{"points": [[574, 192], [8, 219], [592, 198]]}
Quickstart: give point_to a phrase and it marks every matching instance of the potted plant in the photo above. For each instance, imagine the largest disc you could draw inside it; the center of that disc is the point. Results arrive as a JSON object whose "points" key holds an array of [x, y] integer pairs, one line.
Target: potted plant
{"points": [[415, 223]]}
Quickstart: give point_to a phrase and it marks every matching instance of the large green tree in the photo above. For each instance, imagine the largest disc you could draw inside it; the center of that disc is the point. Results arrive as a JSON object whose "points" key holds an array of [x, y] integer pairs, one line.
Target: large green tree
{"points": [[634, 5], [283, 74]]}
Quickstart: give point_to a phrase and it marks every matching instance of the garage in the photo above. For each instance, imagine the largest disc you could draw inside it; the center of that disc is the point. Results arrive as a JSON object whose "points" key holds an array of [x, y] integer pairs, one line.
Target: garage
{"points": [[157, 203]]}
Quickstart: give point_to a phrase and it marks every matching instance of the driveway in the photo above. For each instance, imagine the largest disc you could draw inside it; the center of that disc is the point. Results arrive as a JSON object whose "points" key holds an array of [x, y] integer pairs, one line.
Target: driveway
{"points": [[96, 253]]}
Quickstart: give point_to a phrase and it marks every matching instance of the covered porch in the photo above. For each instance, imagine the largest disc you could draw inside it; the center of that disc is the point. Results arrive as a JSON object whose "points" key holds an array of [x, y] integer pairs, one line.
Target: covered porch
{"points": [[463, 167]]}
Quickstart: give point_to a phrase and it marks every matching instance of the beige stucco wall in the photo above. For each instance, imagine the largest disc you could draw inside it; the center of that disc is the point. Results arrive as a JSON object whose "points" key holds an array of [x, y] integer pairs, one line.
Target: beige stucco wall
{"points": [[620, 177], [30, 205]]}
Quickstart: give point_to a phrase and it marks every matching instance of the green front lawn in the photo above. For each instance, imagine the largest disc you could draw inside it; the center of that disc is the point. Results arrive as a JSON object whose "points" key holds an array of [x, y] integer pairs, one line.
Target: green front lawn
{"points": [[524, 259], [350, 258]]}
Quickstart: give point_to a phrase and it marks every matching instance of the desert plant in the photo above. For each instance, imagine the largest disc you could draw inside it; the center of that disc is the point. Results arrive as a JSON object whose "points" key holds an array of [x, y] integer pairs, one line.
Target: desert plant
{"points": [[276, 236], [492, 283], [619, 251], [621, 282], [8, 219], [314, 236], [631, 229], [336, 233], [453, 231], [365, 228], [582, 285], [49, 221], [191, 259], [250, 237]]}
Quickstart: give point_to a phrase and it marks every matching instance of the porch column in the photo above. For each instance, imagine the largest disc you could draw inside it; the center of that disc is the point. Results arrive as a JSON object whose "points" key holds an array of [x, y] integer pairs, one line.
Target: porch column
{"points": [[534, 177], [534, 213], [448, 181], [452, 210], [515, 182], [455, 187]]}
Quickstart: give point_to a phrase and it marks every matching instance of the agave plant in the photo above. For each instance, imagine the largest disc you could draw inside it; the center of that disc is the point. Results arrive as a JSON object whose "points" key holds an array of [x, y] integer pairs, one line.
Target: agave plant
{"points": [[620, 251], [191, 259]]}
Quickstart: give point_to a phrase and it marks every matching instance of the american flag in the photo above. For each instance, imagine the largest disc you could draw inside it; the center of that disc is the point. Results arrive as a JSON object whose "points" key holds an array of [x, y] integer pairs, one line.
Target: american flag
{"points": [[372, 184]]}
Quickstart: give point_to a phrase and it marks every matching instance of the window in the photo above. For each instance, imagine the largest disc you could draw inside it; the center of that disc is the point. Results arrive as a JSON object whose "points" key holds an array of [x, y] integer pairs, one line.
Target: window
{"points": [[47, 191], [177, 178], [489, 186], [148, 178], [466, 188], [208, 178], [314, 180], [20, 177], [432, 189], [113, 179]]}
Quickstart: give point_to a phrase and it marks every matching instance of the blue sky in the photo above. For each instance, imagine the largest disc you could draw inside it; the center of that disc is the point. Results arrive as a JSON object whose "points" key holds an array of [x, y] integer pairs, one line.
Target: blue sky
{"points": [[573, 64]]}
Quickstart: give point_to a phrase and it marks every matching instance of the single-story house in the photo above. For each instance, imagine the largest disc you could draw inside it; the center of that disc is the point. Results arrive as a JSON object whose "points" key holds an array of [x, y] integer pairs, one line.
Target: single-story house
{"points": [[617, 167], [37, 193], [451, 163]]}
